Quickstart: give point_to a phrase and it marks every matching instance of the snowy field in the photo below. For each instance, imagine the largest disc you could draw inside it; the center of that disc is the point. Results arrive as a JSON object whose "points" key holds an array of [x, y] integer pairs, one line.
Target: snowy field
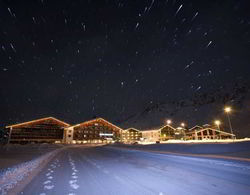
{"points": [[110, 171], [234, 149], [19, 161], [86, 169], [14, 154]]}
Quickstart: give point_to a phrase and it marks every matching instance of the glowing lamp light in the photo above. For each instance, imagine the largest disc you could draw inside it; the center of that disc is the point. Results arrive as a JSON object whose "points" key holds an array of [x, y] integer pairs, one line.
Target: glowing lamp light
{"points": [[217, 122], [183, 124], [228, 109], [169, 122]]}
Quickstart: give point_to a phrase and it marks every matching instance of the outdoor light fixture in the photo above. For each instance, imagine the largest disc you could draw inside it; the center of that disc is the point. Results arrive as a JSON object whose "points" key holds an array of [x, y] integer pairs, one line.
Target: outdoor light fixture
{"points": [[227, 111], [183, 124], [169, 122], [217, 122]]}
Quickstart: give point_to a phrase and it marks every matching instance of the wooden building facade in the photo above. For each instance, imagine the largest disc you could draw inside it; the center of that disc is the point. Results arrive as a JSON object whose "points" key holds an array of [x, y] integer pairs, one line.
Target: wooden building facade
{"points": [[208, 134], [47, 130], [96, 131], [151, 135], [131, 135], [167, 132]]}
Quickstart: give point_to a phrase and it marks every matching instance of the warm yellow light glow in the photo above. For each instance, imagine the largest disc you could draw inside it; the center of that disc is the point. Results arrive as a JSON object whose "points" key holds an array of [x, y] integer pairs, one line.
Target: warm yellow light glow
{"points": [[228, 109], [169, 122], [217, 122], [183, 124]]}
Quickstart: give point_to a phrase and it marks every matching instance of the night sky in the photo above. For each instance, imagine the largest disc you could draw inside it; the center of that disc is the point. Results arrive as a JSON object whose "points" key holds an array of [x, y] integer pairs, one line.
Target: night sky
{"points": [[112, 58]]}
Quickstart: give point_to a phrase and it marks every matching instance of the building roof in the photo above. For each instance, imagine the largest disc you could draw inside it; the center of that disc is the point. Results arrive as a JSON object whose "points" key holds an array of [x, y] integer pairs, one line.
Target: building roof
{"points": [[209, 128], [167, 126], [97, 120], [131, 128], [39, 120], [158, 128], [196, 126]]}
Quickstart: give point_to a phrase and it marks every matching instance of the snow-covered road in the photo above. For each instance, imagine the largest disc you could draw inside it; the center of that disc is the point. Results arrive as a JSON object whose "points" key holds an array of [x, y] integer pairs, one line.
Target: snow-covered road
{"points": [[106, 170]]}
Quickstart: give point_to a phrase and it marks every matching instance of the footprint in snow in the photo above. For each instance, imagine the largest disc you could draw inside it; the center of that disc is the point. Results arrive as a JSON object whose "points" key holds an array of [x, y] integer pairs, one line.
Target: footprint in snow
{"points": [[49, 187], [72, 181], [74, 186], [46, 182]]}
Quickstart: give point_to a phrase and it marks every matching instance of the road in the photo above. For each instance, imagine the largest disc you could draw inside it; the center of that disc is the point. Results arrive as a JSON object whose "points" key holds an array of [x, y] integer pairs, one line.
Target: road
{"points": [[107, 170]]}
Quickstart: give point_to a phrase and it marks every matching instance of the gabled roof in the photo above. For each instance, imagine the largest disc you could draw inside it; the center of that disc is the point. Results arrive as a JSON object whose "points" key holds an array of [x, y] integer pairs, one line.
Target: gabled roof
{"points": [[39, 120], [167, 126], [97, 120], [158, 128], [196, 126], [131, 128], [209, 128]]}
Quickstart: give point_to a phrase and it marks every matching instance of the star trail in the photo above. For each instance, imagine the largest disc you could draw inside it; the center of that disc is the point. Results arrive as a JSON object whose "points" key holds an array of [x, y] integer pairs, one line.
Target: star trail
{"points": [[76, 60]]}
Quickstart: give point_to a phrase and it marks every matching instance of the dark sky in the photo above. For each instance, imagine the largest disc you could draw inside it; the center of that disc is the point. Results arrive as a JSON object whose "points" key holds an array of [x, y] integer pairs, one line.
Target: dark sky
{"points": [[111, 58]]}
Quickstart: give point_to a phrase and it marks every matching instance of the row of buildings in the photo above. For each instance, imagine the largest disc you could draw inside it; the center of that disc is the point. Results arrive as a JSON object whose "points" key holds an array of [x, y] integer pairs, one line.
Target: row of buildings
{"points": [[52, 130]]}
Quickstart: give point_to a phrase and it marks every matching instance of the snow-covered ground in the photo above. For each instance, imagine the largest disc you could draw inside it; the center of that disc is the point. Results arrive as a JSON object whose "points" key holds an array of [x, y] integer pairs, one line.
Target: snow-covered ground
{"points": [[234, 149], [109, 170], [199, 141], [19, 161], [14, 154], [11, 176], [84, 169]]}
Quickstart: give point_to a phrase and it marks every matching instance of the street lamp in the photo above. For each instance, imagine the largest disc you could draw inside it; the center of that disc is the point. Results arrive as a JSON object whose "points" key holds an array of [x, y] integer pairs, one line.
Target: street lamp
{"points": [[183, 130], [217, 122], [227, 111], [169, 122]]}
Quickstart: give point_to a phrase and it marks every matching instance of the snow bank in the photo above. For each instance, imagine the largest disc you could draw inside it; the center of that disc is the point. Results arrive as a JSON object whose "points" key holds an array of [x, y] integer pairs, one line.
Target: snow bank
{"points": [[199, 141], [237, 149], [10, 177], [15, 154]]}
